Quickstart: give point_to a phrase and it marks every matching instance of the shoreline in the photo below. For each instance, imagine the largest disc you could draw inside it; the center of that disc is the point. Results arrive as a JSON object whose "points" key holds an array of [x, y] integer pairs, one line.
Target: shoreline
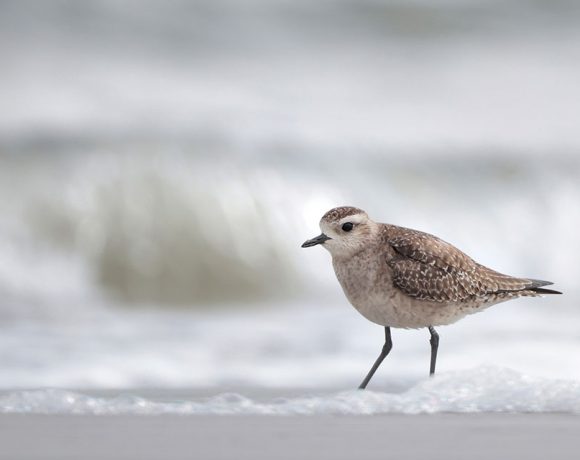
{"points": [[439, 436], [484, 390]]}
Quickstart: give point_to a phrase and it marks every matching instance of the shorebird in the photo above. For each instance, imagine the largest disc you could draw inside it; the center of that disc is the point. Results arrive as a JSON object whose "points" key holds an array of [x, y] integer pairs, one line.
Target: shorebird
{"points": [[403, 278]]}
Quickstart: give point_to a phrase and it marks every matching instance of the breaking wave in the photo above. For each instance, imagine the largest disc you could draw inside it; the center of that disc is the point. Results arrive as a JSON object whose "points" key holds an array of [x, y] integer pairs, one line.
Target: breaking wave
{"points": [[181, 230], [152, 230], [177, 229], [179, 165]]}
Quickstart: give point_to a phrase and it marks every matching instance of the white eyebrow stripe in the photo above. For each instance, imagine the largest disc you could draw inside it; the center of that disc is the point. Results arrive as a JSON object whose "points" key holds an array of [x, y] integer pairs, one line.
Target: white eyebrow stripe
{"points": [[355, 219]]}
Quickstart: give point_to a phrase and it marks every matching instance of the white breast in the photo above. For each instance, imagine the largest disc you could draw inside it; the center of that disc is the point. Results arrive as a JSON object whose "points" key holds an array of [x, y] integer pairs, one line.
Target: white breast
{"points": [[366, 280]]}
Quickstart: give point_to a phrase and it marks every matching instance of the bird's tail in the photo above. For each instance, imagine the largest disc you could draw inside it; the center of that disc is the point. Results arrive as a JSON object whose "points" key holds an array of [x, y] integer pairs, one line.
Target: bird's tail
{"points": [[536, 286]]}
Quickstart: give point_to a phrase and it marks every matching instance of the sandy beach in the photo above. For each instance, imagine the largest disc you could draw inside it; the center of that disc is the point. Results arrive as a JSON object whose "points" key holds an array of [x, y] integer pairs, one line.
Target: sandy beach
{"points": [[486, 413], [443, 436]]}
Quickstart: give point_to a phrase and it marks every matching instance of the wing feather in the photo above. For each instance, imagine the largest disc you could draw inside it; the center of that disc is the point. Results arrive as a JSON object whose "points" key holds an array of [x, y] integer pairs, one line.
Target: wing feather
{"points": [[428, 268]]}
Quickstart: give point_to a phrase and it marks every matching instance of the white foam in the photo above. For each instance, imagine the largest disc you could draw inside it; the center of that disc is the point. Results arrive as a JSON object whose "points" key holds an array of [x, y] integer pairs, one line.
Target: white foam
{"points": [[482, 389]]}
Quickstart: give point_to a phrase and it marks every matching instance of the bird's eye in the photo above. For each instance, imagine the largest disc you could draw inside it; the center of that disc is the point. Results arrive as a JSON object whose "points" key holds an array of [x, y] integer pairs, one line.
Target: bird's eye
{"points": [[347, 226]]}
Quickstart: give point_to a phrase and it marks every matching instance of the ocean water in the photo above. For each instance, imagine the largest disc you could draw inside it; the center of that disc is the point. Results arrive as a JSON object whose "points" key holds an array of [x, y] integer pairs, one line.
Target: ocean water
{"points": [[486, 389], [301, 346], [160, 167]]}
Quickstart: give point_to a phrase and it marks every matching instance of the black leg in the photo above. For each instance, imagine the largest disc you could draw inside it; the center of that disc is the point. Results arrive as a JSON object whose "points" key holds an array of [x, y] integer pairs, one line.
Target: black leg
{"points": [[434, 345], [384, 352]]}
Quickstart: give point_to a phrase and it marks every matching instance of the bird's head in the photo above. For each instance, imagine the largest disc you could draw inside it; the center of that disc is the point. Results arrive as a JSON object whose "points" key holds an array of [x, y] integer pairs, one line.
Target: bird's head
{"points": [[345, 231]]}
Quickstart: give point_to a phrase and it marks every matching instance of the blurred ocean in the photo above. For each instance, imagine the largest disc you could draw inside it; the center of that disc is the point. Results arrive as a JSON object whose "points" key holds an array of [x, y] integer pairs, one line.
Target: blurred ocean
{"points": [[161, 163]]}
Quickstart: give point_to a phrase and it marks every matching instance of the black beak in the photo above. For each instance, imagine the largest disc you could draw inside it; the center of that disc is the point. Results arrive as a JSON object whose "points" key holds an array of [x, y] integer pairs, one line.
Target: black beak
{"points": [[320, 239]]}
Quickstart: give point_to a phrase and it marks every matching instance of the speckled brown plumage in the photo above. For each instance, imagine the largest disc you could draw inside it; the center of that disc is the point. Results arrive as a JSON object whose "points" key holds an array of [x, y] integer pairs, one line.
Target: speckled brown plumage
{"points": [[336, 214], [398, 277], [428, 268]]}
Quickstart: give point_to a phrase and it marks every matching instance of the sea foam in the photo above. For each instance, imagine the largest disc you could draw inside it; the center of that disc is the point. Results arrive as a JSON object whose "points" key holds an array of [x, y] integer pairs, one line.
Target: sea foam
{"points": [[482, 389]]}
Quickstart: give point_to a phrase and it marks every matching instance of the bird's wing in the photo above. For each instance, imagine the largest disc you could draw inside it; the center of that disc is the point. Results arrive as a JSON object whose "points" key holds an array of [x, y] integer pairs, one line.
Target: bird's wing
{"points": [[428, 268]]}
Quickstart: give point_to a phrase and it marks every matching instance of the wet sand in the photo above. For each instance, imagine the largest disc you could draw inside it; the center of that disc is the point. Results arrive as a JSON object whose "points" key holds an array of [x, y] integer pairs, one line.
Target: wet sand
{"points": [[427, 437]]}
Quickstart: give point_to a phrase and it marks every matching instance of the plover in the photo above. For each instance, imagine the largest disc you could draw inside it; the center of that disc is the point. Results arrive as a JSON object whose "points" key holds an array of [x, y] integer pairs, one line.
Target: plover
{"points": [[403, 278]]}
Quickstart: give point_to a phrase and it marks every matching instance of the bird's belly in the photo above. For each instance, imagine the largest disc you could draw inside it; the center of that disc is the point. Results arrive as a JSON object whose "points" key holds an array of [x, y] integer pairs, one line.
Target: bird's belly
{"points": [[395, 309], [369, 288], [403, 312]]}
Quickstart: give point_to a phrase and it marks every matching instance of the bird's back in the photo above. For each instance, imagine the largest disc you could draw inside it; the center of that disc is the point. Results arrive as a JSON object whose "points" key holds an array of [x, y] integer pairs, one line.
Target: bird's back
{"points": [[426, 267], [408, 278]]}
